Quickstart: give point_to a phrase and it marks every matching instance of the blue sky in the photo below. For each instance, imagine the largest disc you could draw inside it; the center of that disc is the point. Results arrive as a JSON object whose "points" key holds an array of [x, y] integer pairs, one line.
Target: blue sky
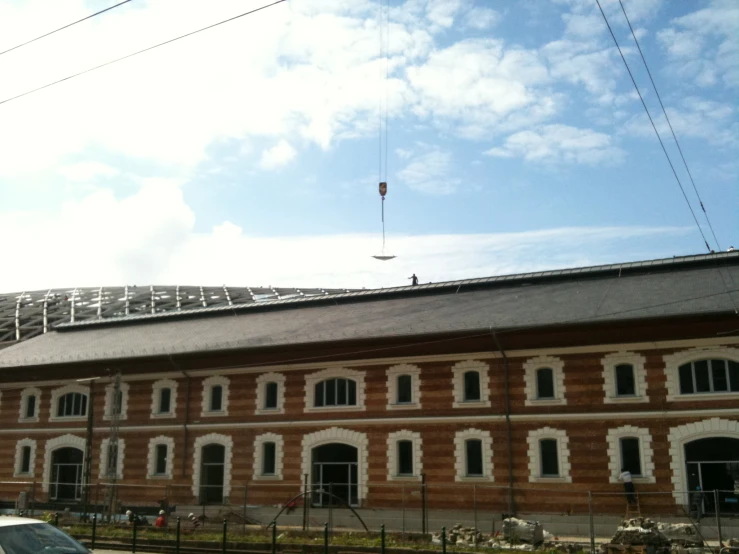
{"points": [[248, 154]]}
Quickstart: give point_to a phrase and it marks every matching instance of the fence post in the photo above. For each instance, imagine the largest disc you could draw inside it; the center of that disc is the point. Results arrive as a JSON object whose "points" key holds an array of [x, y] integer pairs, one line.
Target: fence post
{"points": [[133, 546], [246, 496], [56, 519], [474, 509], [592, 524], [305, 501], [33, 497], [382, 539], [330, 507], [274, 536], [423, 503], [325, 538], [225, 536], [177, 538], [443, 540], [94, 530], [718, 516], [404, 508]]}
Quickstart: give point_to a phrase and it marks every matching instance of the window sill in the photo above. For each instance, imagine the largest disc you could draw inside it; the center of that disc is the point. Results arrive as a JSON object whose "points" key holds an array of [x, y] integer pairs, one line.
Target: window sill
{"points": [[550, 480], [546, 402], [474, 479], [329, 409], [160, 477], [68, 418], [404, 406], [625, 399], [644, 479], [471, 404], [268, 477], [700, 396], [28, 420], [163, 416], [214, 414], [270, 411], [412, 478], [23, 475]]}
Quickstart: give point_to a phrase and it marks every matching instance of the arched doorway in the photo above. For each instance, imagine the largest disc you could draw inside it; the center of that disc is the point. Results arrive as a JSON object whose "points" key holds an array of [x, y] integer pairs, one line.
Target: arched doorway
{"points": [[335, 470], [212, 472], [713, 464], [66, 474]]}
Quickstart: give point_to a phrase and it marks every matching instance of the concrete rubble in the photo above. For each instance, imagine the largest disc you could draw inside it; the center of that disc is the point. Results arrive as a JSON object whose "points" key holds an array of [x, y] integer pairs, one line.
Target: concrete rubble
{"points": [[640, 531], [517, 534]]}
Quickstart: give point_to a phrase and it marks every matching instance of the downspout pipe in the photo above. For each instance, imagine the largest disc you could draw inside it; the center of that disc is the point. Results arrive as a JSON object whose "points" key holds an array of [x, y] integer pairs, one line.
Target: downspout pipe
{"points": [[506, 372], [185, 437]]}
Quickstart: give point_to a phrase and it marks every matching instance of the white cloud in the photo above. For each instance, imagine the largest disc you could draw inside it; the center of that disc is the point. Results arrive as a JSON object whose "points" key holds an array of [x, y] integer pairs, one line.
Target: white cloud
{"points": [[87, 171], [560, 144], [430, 172], [279, 155], [482, 18], [403, 153]]}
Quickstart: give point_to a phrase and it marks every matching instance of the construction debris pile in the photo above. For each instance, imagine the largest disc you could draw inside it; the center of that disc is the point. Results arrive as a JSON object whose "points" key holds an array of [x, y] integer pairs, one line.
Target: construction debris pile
{"points": [[642, 531], [461, 536], [517, 534]]}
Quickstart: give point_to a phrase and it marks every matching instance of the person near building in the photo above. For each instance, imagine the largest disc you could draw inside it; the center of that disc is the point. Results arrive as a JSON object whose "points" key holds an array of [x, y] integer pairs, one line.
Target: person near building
{"points": [[414, 280], [161, 520], [629, 489], [696, 504]]}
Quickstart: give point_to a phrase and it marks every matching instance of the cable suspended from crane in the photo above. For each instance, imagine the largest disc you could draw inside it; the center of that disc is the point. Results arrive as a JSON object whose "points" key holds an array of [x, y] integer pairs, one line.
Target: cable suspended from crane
{"points": [[382, 112]]}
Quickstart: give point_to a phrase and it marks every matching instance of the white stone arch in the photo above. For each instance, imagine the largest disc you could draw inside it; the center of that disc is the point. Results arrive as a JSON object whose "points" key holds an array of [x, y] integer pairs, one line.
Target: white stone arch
{"points": [[674, 361], [25, 394], [212, 438], [458, 371], [56, 394], [679, 436], [54, 444], [343, 436]]}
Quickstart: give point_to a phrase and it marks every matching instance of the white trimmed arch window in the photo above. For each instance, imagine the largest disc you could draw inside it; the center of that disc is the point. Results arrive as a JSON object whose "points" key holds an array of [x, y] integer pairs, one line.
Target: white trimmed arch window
{"points": [[164, 399], [709, 373], [473, 455], [268, 457], [624, 378], [630, 448], [111, 459], [120, 404], [404, 456], [334, 389], [215, 396], [69, 403], [197, 458], [25, 458], [30, 405], [471, 384], [160, 463], [403, 387], [544, 378], [63, 441], [549, 456], [271, 393]]}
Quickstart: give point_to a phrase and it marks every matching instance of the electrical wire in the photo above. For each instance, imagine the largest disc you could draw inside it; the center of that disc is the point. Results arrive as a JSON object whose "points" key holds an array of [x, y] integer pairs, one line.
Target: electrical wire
{"points": [[674, 136], [65, 27], [659, 138], [140, 51]]}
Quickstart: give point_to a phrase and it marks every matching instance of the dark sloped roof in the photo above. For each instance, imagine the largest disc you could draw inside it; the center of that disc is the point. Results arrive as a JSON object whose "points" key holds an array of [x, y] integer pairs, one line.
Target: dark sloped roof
{"points": [[691, 286]]}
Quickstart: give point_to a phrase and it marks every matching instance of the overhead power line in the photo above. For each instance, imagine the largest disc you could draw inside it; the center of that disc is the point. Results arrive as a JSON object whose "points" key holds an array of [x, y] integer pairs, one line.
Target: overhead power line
{"points": [[140, 52], [656, 132], [65, 27], [674, 136]]}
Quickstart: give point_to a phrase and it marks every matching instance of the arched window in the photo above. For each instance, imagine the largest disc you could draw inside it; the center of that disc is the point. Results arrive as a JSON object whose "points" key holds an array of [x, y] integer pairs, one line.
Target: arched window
{"points": [[215, 396], [544, 383], [335, 392], [72, 404], [709, 376], [472, 386], [30, 404]]}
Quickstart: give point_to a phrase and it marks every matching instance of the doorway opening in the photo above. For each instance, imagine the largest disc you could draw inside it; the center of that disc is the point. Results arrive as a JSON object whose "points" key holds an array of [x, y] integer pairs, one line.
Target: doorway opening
{"points": [[212, 472], [335, 472], [66, 474], [713, 464]]}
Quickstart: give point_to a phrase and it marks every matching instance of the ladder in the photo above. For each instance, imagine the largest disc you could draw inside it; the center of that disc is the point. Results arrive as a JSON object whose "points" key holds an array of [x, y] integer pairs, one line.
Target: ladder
{"points": [[633, 510]]}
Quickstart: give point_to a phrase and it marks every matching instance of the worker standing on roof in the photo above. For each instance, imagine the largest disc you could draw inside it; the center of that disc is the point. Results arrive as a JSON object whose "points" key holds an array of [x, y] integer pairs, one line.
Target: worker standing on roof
{"points": [[414, 280]]}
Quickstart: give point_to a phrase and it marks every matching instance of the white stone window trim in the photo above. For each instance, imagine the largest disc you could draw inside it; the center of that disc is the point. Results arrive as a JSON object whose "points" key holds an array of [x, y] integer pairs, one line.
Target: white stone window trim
{"points": [[258, 466], [530, 368], [313, 379], [646, 453], [25, 394], [679, 436], [208, 385], [63, 441], [563, 455], [262, 381], [343, 436], [108, 410], [152, 457], [460, 455], [458, 371], [674, 361], [19, 458], [56, 394], [392, 455], [104, 458], [156, 388], [637, 361], [228, 444], [393, 372]]}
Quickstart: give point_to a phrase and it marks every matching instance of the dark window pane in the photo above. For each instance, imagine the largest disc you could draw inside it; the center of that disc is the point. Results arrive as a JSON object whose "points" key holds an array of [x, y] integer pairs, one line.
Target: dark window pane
{"points": [[31, 406], [165, 400], [405, 458], [630, 458], [216, 398], [686, 379], [549, 458], [702, 382], [734, 376], [320, 400], [473, 448], [161, 468], [72, 404], [118, 403], [341, 392], [471, 386], [331, 392], [268, 458], [112, 459], [544, 383], [404, 389], [270, 396], [26, 460], [625, 385], [352, 393], [718, 373], [83, 409]]}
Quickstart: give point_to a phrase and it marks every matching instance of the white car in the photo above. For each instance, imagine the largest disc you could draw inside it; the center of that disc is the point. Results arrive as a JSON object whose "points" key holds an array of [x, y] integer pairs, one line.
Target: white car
{"points": [[21, 535]]}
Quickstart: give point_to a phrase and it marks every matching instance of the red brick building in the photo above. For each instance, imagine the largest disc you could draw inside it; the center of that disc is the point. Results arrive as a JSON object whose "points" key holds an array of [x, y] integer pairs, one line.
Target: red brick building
{"points": [[550, 381]]}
